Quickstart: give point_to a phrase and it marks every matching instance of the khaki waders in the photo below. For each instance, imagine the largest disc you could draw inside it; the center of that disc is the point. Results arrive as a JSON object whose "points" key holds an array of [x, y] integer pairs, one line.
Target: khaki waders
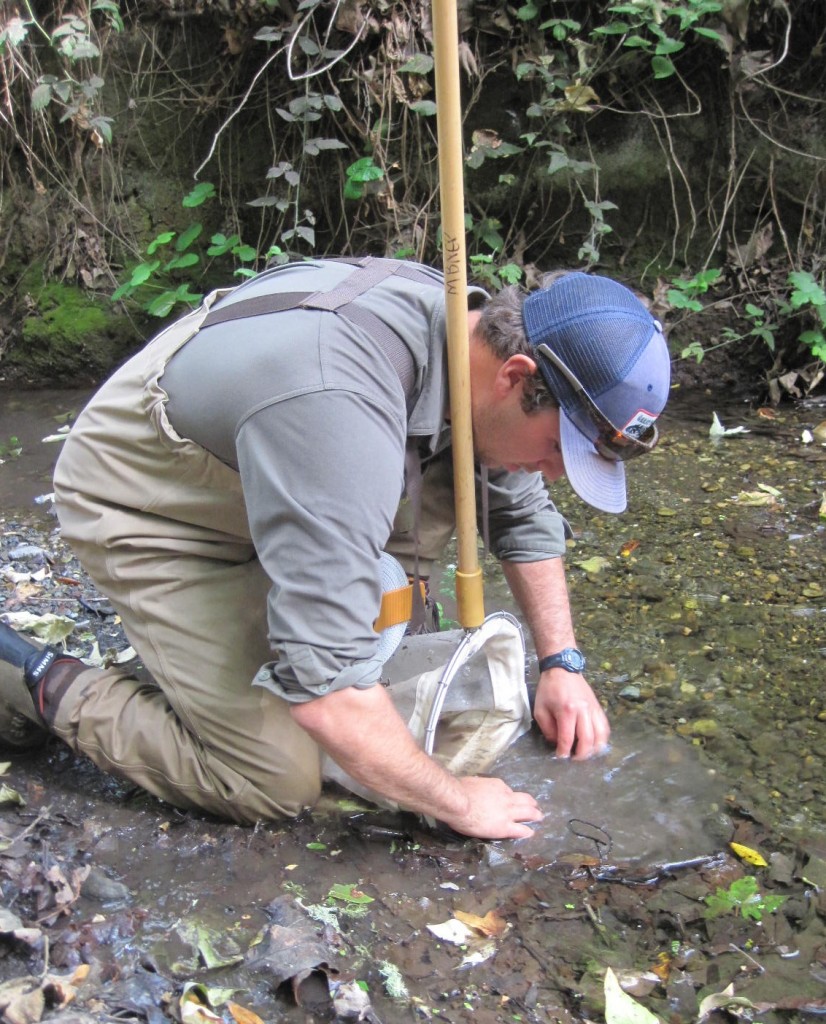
{"points": [[160, 525]]}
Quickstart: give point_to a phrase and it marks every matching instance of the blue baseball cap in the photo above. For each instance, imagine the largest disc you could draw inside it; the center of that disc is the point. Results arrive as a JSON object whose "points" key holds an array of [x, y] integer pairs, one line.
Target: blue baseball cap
{"points": [[615, 349]]}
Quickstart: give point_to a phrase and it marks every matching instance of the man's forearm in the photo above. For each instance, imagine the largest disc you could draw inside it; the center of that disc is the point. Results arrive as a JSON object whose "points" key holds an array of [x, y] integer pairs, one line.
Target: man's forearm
{"points": [[542, 595], [364, 734], [362, 731]]}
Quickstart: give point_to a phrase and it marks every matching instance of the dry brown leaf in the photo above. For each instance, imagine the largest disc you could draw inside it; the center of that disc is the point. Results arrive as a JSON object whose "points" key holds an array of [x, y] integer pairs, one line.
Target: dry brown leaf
{"points": [[491, 924]]}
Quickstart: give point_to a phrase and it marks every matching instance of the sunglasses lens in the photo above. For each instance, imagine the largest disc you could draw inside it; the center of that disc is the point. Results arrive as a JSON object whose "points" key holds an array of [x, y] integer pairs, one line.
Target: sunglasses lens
{"points": [[621, 447]]}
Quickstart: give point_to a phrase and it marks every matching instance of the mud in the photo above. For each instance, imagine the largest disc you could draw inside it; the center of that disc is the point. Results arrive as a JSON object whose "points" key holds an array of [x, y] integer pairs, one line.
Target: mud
{"points": [[703, 613]]}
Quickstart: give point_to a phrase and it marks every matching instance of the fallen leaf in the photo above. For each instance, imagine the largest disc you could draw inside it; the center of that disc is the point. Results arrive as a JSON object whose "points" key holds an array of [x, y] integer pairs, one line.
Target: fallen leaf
{"points": [[479, 955], [242, 1015], [748, 855], [717, 430], [51, 628], [722, 1000], [756, 499], [620, 1008], [451, 931], [491, 924], [10, 796], [595, 564], [766, 414], [628, 547]]}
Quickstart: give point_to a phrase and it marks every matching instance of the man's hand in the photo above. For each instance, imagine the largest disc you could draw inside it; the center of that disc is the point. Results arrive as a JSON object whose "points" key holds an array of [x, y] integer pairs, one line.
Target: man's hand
{"points": [[569, 714], [495, 811]]}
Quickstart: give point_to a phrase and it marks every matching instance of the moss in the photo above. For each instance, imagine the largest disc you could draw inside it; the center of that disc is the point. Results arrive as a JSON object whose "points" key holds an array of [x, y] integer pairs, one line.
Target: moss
{"points": [[69, 336]]}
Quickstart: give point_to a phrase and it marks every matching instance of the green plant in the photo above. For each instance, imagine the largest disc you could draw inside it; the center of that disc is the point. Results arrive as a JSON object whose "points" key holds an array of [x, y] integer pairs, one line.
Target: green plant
{"points": [[643, 25], [159, 274], [683, 293], [808, 296], [11, 448], [743, 896], [486, 273], [359, 175]]}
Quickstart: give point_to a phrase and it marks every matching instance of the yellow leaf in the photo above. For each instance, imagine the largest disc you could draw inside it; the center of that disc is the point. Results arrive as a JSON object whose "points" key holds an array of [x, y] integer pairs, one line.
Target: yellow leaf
{"points": [[594, 564], [242, 1015], [579, 96], [748, 855]]}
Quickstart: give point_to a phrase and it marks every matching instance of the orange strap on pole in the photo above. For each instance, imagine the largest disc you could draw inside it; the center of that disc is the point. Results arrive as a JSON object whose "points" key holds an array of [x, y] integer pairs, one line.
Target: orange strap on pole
{"points": [[469, 596]]}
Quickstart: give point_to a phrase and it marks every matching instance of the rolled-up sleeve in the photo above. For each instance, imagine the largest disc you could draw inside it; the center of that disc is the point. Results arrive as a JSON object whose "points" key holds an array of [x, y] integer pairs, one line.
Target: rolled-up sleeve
{"points": [[524, 524], [322, 474]]}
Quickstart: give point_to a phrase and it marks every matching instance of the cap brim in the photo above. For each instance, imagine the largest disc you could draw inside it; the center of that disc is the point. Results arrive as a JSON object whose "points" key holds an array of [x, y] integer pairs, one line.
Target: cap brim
{"points": [[596, 480]]}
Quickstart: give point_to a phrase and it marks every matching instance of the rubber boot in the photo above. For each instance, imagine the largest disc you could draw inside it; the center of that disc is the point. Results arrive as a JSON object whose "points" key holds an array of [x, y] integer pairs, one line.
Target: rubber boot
{"points": [[22, 668]]}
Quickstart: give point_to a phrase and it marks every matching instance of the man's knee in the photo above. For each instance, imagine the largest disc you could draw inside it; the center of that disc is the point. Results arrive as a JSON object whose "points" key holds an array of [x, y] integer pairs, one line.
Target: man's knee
{"points": [[285, 798]]}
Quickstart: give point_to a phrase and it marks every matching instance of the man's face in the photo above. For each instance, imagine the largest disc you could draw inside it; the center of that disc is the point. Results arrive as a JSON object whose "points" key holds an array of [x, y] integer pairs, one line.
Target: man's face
{"points": [[505, 436]]}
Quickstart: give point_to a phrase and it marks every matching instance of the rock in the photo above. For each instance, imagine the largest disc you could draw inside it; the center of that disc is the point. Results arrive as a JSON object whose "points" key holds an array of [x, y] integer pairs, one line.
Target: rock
{"points": [[631, 693], [99, 886]]}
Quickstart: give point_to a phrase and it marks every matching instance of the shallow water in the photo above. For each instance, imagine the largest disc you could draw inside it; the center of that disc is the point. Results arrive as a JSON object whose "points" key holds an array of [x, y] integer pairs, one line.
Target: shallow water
{"points": [[704, 622]]}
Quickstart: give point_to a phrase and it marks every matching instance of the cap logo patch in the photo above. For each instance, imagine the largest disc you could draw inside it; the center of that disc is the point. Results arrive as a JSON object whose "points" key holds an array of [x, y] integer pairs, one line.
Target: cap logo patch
{"points": [[639, 423]]}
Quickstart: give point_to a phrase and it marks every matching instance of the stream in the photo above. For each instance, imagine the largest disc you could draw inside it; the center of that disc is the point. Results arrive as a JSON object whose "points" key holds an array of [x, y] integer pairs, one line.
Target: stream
{"points": [[702, 611]]}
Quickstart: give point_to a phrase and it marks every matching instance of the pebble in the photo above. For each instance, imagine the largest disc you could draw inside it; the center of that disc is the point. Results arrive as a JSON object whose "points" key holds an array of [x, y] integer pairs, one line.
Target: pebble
{"points": [[27, 551], [99, 886], [631, 693]]}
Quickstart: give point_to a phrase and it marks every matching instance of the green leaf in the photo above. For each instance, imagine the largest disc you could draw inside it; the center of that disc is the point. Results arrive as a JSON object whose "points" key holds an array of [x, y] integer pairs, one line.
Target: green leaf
{"points": [[662, 67], [220, 244], [186, 238], [427, 108], [614, 28], [41, 96], [162, 305], [707, 33], [187, 259], [245, 253], [349, 894], [528, 11], [15, 31], [164, 238], [364, 170], [142, 272], [669, 46], [418, 64], [314, 146], [203, 191], [807, 291]]}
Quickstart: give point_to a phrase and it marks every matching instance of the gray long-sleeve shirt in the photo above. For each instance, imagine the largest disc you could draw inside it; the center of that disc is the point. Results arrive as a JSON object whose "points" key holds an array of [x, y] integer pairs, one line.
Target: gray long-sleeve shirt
{"points": [[311, 413]]}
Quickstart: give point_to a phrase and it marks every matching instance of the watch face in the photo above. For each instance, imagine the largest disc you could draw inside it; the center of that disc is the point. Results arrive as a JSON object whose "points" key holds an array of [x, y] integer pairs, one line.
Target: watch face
{"points": [[574, 659]]}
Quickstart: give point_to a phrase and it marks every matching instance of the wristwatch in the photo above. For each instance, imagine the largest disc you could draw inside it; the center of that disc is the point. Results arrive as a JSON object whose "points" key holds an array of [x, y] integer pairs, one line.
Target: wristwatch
{"points": [[571, 659]]}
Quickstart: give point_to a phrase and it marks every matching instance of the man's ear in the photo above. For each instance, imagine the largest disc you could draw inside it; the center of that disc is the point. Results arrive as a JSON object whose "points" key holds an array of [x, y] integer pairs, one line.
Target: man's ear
{"points": [[513, 371]]}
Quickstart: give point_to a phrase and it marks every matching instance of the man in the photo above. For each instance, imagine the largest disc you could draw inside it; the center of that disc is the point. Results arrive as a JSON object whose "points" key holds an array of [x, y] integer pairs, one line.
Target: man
{"points": [[232, 487]]}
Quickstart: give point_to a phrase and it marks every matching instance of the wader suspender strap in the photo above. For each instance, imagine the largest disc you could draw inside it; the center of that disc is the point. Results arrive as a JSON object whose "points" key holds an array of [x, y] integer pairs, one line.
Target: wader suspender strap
{"points": [[369, 272], [341, 300]]}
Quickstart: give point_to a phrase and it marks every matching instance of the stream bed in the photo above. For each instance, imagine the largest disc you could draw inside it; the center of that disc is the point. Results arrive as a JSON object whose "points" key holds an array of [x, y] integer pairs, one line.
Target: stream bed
{"points": [[702, 611]]}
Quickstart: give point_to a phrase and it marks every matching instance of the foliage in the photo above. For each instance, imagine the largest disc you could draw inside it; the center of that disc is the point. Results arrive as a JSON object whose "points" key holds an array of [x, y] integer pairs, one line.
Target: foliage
{"points": [[743, 896], [162, 275], [316, 126], [10, 448], [801, 302]]}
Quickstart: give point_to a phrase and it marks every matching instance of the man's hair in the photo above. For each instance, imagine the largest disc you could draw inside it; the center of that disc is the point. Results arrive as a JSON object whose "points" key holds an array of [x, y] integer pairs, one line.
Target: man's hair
{"points": [[503, 331]]}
